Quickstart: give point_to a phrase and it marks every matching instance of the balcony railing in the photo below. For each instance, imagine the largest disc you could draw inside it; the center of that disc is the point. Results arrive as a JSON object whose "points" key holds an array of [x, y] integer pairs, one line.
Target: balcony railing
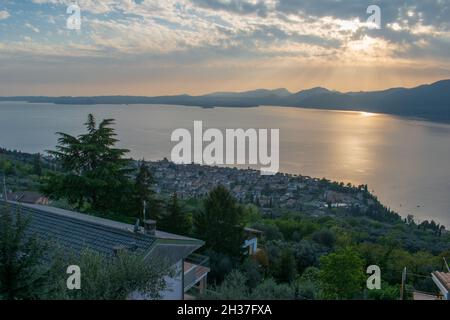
{"points": [[196, 268]]}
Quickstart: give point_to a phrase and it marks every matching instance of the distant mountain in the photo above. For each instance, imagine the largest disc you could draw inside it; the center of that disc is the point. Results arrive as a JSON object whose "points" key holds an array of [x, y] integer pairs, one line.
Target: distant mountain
{"points": [[430, 102], [310, 93], [296, 98], [261, 93], [427, 101]]}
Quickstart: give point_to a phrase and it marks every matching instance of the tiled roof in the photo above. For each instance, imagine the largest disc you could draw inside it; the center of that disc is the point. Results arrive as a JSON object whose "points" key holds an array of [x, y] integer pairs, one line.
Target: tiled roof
{"points": [[421, 296], [25, 196], [444, 279], [75, 232]]}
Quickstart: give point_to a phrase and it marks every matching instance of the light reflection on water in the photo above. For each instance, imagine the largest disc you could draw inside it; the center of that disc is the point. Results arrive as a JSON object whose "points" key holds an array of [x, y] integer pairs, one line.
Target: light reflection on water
{"points": [[406, 162]]}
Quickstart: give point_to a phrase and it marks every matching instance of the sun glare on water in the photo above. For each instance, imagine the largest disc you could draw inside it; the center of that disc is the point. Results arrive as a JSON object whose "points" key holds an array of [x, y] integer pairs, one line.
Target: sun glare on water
{"points": [[368, 114]]}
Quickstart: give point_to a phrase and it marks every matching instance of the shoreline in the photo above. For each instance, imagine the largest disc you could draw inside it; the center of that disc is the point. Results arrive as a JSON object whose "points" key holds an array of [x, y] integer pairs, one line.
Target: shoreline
{"points": [[52, 100]]}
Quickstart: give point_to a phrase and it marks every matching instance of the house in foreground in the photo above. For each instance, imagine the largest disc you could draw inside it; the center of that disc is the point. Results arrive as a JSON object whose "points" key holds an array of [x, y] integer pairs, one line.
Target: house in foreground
{"points": [[442, 281], [76, 232]]}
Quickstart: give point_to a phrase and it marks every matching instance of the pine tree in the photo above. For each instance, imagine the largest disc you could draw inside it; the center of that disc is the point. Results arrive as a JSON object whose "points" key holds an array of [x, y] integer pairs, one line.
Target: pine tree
{"points": [[94, 172], [220, 223], [175, 220]]}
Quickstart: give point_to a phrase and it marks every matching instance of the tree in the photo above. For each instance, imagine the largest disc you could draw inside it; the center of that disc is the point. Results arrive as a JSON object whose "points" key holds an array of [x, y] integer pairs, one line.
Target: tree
{"points": [[270, 231], [324, 237], [22, 275], [286, 269], [251, 214], [94, 172], [143, 192], [221, 265], [105, 278], [232, 288], [253, 272], [37, 165], [307, 254], [270, 290], [306, 290], [308, 285], [220, 223], [409, 220], [342, 274], [387, 292], [175, 220]]}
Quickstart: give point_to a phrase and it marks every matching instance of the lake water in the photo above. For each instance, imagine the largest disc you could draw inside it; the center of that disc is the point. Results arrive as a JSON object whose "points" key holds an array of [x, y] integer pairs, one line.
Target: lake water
{"points": [[405, 162]]}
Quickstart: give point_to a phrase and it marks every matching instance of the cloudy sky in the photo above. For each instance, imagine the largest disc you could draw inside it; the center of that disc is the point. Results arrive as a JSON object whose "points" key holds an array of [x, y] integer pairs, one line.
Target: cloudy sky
{"points": [[150, 47]]}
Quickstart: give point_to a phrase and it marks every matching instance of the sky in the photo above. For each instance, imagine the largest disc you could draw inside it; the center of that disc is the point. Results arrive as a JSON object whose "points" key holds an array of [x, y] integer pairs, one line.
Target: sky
{"points": [[149, 47]]}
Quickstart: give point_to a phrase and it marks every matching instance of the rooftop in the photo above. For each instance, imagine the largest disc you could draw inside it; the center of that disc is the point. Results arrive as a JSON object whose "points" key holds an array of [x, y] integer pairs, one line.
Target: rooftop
{"points": [[25, 196], [444, 279], [422, 296], [76, 231]]}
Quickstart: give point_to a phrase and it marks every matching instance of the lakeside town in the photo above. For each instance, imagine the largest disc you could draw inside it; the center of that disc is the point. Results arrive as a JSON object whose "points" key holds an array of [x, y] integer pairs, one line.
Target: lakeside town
{"points": [[272, 194]]}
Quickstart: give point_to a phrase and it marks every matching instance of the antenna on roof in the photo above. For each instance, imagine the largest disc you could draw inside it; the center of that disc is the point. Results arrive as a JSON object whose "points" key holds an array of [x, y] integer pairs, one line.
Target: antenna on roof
{"points": [[446, 264], [144, 209], [402, 289]]}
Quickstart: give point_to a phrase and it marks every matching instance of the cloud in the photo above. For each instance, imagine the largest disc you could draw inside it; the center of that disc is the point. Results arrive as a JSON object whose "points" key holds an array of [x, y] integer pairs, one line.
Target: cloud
{"points": [[30, 26], [274, 27], [241, 7], [4, 15], [202, 35], [92, 6]]}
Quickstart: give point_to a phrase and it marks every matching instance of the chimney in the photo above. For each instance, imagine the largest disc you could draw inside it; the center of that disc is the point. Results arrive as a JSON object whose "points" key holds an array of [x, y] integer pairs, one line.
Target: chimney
{"points": [[136, 226], [150, 227], [119, 249]]}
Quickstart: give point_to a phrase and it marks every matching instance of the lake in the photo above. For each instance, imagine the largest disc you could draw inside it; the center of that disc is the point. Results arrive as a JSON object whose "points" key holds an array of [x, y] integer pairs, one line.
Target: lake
{"points": [[405, 162]]}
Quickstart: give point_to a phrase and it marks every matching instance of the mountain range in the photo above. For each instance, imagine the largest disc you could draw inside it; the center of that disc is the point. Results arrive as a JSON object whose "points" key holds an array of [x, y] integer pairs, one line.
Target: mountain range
{"points": [[430, 101]]}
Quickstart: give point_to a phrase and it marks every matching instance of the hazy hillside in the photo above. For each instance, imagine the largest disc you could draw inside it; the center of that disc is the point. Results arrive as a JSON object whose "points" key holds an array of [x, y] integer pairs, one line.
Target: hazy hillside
{"points": [[427, 101]]}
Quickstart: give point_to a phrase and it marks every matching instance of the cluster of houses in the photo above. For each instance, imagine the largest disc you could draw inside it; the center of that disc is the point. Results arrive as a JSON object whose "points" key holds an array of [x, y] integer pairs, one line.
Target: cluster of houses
{"points": [[270, 193]]}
